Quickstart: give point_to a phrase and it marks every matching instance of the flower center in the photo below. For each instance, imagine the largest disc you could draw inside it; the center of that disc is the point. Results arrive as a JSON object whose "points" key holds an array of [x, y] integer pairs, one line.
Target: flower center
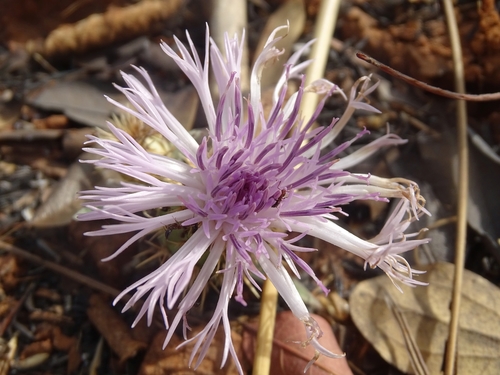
{"points": [[243, 193]]}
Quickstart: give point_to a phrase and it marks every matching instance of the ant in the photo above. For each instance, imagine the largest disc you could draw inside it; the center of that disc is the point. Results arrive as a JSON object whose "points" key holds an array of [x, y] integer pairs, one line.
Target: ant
{"points": [[280, 198]]}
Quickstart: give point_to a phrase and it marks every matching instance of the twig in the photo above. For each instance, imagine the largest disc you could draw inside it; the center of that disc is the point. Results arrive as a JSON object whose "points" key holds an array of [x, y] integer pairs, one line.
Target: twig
{"points": [[323, 32], [82, 279], [427, 87], [463, 186]]}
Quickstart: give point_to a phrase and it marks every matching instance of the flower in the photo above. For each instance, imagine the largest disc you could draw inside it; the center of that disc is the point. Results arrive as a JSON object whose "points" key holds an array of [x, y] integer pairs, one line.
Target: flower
{"points": [[245, 187]]}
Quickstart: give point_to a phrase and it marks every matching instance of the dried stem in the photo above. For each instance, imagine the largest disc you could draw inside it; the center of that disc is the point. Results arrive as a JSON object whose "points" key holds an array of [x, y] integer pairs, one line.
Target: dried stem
{"points": [[323, 32], [78, 277], [463, 181]]}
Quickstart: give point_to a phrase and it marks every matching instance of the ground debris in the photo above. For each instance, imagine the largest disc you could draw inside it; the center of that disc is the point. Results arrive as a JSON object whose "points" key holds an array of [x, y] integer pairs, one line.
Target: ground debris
{"points": [[172, 361], [52, 97], [112, 327], [99, 30], [421, 48]]}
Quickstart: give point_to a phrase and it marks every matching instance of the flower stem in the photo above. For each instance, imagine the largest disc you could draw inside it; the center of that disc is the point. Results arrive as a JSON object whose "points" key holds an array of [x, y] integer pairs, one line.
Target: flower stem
{"points": [[265, 333]]}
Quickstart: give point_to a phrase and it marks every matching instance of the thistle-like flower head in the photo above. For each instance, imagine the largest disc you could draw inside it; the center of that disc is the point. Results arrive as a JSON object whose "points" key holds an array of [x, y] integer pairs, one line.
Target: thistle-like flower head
{"points": [[253, 180]]}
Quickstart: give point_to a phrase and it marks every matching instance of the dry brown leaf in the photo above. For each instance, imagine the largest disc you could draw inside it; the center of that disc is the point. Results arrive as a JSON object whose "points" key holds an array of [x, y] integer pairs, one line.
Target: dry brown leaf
{"points": [[51, 122], [427, 310], [59, 341], [79, 101], [9, 270], [289, 332], [43, 346], [86, 103], [112, 327], [172, 361], [63, 202], [56, 317]]}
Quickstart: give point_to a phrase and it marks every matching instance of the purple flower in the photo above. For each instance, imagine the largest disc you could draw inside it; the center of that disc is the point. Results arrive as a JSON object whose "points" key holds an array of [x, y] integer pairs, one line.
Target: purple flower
{"points": [[252, 181]]}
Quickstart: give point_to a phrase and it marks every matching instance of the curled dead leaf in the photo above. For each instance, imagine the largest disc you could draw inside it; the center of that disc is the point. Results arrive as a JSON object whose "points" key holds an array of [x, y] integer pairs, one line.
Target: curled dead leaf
{"points": [[289, 357]]}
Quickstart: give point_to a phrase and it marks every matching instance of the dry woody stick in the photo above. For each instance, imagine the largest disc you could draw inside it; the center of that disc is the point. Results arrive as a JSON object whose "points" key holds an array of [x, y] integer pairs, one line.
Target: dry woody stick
{"points": [[425, 86]]}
